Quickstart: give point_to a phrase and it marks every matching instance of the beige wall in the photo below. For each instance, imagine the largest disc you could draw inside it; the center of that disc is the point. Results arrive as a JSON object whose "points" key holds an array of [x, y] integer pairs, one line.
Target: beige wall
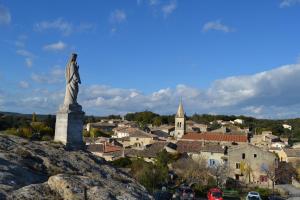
{"points": [[255, 159], [218, 157], [138, 142]]}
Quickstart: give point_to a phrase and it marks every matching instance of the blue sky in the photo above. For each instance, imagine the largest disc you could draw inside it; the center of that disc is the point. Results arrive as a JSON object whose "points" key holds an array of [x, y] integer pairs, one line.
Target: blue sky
{"points": [[221, 57]]}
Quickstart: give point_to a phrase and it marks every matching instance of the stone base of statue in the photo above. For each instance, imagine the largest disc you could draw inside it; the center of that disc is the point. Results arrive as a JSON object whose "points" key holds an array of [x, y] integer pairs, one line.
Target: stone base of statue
{"points": [[69, 125]]}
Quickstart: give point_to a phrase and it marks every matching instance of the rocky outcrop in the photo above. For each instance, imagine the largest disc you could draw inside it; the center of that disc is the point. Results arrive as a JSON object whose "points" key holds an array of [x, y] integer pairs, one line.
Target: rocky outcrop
{"points": [[45, 170]]}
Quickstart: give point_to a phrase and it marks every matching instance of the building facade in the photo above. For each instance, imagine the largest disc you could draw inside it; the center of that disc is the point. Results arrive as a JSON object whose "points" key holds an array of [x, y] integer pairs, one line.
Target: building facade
{"points": [[180, 126]]}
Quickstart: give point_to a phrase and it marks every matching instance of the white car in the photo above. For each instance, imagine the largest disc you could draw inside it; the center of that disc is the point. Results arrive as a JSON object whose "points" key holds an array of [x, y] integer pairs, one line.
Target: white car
{"points": [[253, 196]]}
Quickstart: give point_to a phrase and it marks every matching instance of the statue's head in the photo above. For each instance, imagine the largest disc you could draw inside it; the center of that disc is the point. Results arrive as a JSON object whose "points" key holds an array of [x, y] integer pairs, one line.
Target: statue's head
{"points": [[73, 57]]}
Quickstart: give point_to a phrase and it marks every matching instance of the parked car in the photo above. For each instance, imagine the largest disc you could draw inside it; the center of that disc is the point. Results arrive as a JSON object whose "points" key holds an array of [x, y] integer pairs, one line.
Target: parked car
{"points": [[184, 193], [275, 198], [253, 196], [162, 195], [215, 194]]}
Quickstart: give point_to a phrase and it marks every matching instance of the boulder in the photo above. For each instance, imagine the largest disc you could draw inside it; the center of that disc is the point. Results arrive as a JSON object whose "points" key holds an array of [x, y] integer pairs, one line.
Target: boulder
{"points": [[46, 170]]}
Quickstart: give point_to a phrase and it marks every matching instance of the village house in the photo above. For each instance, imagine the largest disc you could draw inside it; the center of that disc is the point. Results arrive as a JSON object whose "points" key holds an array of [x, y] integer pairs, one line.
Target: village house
{"points": [[134, 137], [192, 126], [102, 126], [106, 150], [163, 132], [267, 141], [149, 154], [213, 153], [238, 121], [290, 155], [248, 163], [287, 126]]}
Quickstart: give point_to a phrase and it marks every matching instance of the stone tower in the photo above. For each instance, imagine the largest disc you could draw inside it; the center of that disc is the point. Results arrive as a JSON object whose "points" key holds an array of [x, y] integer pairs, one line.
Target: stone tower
{"points": [[179, 122]]}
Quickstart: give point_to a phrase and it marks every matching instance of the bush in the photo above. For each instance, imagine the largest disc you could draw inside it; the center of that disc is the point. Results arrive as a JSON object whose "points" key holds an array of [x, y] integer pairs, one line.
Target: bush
{"points": [[151, 176], [11, 131], [86, 133], [264, 192], [122, 162], [47, 138], [25, 132]]}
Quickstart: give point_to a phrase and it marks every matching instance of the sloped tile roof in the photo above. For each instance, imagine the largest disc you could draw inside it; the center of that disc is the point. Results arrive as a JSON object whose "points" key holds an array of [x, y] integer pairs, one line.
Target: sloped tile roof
{"points": [[292, 152], [217, 137], [198, 146]]}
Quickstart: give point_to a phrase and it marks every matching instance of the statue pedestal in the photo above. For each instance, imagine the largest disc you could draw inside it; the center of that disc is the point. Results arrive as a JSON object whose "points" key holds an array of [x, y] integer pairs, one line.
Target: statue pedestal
{"points": [[69, 125]]}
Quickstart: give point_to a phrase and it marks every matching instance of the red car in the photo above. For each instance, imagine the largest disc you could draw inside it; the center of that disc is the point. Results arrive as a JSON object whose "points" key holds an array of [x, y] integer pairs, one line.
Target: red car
{"points": [[215, 194]]}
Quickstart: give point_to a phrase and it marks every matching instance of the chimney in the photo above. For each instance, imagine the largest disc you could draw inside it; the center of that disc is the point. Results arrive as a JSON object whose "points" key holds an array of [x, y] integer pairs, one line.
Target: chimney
{"points": [[104, 146], [123, 152]]}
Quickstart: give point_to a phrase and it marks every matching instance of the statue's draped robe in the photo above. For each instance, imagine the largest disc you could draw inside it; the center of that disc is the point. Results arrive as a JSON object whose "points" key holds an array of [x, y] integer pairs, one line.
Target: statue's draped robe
{"points": [[72, 81]]}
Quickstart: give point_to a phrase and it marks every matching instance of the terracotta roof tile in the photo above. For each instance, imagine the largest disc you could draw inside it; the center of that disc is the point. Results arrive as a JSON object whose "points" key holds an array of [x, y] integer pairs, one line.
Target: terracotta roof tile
{"points": [[218, 137]]}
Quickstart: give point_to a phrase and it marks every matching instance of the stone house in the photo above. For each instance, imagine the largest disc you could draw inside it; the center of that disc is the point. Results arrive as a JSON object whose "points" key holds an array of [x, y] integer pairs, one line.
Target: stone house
{"points": [[135, 138], [102, 126], [192, 126], [213, 153], [149, 154], [248, 163], [290, 155], [105, 150]]}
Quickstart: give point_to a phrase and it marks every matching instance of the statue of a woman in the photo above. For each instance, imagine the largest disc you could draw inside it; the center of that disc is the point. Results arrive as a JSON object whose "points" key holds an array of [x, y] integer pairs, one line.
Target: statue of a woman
{"points": [[72, 81]]}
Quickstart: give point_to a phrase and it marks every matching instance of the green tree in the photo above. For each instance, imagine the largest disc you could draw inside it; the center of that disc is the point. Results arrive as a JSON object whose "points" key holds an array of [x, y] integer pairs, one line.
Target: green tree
{"points": [[150, 175], [157, 121], [163, 158]]}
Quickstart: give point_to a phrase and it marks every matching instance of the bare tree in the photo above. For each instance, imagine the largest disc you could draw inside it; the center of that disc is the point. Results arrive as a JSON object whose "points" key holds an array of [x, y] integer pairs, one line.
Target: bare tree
{"points": [[192, 171], [270, 171], [220, 172]]}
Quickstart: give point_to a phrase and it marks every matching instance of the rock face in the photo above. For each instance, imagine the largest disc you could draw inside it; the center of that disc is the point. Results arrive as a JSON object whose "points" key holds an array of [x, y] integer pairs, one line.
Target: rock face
{"points": [[45, 170]]}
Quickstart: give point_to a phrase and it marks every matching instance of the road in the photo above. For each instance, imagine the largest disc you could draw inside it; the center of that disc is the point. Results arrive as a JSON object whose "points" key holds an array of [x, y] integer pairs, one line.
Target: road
{"points": [[294, 192]]}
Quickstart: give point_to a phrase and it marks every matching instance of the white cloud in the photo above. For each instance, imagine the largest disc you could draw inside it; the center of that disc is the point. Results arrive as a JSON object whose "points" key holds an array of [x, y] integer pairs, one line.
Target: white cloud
{"points": [[56, 75], [55, 46], [86, 27], [59, 24], [5, 17], [217, 26], [118, 16], [154, 2], [24, 84], [288, 3], [28, 62], [28, 56], [64, 27], [169, 8], [25, 53], [268, 94]]}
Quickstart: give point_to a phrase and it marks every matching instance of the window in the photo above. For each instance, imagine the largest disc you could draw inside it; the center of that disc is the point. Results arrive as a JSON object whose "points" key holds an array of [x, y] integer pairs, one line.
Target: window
{"points": [[263, 178], [237, 165], [243, 155], [212, 162], [179, 124], [255, 155]]}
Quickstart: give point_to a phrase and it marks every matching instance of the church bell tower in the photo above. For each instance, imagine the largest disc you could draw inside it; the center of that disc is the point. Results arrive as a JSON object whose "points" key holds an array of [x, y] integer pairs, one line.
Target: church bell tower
{"points": [[179, 122]]}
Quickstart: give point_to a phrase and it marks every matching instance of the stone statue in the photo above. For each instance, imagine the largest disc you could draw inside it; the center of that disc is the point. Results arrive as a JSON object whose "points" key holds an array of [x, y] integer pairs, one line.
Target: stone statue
{"points": [[72, 81], [69, 118]]}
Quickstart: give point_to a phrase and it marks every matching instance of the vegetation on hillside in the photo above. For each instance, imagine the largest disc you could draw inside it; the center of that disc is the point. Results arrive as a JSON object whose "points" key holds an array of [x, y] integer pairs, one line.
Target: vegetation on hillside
{"points": [[20, 121]]}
